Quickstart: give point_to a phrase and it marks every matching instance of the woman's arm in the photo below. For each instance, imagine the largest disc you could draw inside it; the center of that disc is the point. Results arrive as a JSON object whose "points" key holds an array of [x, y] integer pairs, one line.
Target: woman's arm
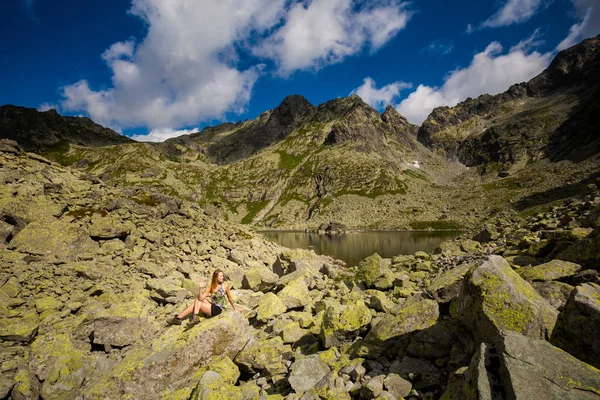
{"points": [[201, 295], [229, 297]]}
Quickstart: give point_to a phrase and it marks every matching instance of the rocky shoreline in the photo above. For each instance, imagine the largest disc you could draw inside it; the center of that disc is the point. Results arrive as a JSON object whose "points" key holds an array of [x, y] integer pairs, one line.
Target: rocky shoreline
{"points": [[91, 272]]}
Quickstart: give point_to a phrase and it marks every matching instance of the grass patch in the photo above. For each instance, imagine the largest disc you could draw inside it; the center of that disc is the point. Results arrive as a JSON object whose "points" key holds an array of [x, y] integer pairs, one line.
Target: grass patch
{"points": [[253, 208], [86, 212], [244, 235], [61, 153], [440, 225], [289, 161], [415, 173], [145, 200], [505, 184], [376, 191]]}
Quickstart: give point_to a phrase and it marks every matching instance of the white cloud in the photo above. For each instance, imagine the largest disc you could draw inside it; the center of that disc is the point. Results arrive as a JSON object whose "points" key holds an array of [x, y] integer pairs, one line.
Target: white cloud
{"points": [[379, 98], [160, 135], [47, 106], [514, 12], [527, 45], [323, 32], [178, 74], [588, 15], [186, 68], [489, 72]]}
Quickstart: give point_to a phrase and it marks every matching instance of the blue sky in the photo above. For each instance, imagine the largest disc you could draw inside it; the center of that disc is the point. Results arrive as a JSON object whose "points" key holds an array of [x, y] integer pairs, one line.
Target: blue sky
{"points": [[164, 68]]}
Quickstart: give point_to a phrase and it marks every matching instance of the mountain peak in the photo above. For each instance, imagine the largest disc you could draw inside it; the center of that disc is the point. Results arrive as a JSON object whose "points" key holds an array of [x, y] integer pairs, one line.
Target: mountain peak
{"points": [[392, 116], [293, 108], [577, 65]]}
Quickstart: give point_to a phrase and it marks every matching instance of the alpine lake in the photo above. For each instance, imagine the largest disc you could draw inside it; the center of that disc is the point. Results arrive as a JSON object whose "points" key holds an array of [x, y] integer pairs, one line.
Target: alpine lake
{"points": [[355, 246]]}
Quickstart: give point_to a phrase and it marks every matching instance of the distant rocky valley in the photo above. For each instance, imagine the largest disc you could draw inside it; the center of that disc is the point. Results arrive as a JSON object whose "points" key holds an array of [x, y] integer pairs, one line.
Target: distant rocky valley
{"points": [[102, 239]]}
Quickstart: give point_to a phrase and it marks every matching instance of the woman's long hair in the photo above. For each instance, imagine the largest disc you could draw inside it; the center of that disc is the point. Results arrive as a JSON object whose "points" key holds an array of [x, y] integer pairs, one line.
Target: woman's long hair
{"points": [[215, 280]]}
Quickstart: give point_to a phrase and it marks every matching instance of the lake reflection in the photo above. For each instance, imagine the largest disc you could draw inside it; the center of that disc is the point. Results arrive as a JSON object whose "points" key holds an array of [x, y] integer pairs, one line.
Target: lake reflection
{"points": [[353, 247]]}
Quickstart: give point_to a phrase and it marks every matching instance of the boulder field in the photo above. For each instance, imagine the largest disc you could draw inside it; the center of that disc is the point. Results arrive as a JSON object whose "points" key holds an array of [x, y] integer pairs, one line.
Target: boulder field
{"points": [[90, 273]]}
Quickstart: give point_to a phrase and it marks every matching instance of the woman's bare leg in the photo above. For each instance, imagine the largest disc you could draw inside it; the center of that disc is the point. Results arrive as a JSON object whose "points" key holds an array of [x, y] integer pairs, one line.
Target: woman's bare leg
{"points": [[203, 306], [187, 311]]}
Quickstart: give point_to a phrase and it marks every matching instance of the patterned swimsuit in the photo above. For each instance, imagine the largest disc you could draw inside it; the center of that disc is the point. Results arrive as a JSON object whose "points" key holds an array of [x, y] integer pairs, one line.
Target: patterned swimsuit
{"points": [[218, 297]]}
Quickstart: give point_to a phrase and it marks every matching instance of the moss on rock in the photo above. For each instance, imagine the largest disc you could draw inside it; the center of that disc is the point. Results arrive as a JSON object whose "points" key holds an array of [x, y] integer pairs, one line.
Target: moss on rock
{"points": [[269, 306], [342, 321], [550, 271], [494, 298]]}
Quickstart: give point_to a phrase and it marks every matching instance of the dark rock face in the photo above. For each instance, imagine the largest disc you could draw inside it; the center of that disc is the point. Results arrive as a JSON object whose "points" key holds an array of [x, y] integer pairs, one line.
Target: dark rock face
{"points": [[292, 109], [578, 324], [361, 124], [39, 131], [518, 367], [228, 142], [257, 135], [577, 65], [552, 115]]}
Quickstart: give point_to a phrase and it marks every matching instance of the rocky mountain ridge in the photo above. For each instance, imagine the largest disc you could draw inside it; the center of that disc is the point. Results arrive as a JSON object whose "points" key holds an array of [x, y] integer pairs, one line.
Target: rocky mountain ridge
{"points": [[529, 121], [48, 131], [300, 166]]}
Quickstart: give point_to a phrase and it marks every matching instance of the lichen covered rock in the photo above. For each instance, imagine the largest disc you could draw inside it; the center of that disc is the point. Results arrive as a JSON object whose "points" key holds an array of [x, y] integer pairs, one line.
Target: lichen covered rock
{"points": [[393, 333], [59, 365], [447, 286], [341, 322], [494, 298], [122, 325], [550, 271], [20, 328], [375, 272], [259, 278], [172, 359], [55, 237], [295, 294], [269, 306], [266, 356], [555, 293]]}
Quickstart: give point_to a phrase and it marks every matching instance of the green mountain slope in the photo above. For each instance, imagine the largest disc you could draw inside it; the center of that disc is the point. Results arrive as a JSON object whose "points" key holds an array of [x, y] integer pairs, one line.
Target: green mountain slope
{"points": [[299, 166]]}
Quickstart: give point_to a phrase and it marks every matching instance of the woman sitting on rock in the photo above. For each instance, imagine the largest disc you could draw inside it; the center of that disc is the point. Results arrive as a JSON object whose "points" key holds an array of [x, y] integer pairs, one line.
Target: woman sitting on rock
{"points": [[217, 291]]}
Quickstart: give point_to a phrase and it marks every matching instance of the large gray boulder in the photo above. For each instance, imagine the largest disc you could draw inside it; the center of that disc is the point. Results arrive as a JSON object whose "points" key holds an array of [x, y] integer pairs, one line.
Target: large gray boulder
{"points": [[307, 372], [168, 364], [19, 329], [474, 382], [495, 299], [550, 271], [342, 322], [447, 286], [55, 238], [585, 252], [259, 279], [375, 272], [393, 333], [555, 293], [122, 325], [107, 227], [578, 324], [534, 369], [519, 367], [266, 356]]}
